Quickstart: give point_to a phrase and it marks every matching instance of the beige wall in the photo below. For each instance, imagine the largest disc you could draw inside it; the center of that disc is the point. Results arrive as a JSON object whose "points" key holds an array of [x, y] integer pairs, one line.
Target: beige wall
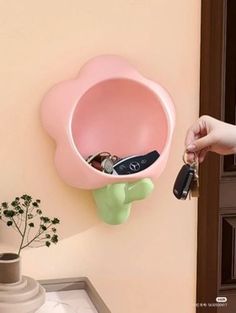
{"points": [[148, 264]]}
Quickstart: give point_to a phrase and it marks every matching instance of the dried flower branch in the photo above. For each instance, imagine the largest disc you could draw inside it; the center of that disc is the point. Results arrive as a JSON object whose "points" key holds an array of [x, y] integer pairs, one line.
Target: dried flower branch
{"points": [[25, 216]]}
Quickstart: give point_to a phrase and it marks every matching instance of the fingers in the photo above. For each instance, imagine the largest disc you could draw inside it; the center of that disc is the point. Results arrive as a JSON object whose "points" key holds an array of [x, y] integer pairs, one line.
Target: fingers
{"points": [[193, 133], [199, 139], [201, 128], [202, 155], [200, 144], [190, 157]]}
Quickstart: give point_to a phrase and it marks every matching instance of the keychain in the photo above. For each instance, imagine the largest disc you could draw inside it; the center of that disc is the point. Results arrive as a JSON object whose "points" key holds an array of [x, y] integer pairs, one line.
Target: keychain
{"points": [[187, 180], [103, 161]]}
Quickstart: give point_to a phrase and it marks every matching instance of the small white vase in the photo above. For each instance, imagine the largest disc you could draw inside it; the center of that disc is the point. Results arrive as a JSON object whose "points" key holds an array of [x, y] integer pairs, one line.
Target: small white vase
{"points": [[18, 294]]}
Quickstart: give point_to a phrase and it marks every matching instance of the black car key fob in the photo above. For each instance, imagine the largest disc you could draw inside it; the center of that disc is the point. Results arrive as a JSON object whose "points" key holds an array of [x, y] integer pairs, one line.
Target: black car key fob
{"points": [[183, 182], [135, 164]]}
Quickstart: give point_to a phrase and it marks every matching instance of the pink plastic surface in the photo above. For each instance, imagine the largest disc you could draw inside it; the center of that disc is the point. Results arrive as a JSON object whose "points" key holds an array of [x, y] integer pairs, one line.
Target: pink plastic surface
{"points": [[109, 107]]}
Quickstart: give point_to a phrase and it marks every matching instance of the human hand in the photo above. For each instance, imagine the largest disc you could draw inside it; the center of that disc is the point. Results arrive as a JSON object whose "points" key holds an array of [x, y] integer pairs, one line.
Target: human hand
{"points": [[210, 134]]}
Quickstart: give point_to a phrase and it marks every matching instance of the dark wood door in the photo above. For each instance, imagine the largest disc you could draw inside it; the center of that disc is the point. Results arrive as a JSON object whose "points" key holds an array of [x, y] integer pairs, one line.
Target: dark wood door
{"points": [[216, 269]]}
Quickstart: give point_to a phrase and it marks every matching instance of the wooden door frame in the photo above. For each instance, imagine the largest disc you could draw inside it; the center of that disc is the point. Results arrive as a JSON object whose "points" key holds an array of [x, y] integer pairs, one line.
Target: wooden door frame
{"points": [[212, 73]]}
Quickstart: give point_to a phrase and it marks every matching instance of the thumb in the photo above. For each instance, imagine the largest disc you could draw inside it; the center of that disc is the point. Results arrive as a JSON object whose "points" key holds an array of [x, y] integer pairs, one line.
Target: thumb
{"points": [[200, 144]]}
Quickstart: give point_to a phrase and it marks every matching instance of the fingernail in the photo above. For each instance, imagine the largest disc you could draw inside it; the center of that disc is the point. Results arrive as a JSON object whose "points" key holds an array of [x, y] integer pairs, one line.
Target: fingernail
{"points": [[201, 159], [191, 148]]}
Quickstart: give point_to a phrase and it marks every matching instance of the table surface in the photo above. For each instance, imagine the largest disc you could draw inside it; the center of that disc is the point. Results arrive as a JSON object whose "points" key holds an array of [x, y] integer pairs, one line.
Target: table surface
{"points": [[72, 301]]}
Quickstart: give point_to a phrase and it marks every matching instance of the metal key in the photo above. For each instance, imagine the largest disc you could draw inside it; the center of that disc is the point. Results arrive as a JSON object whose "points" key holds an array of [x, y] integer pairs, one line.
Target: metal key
{"points": [[186, 182], [107, 166], [103, 161], [194, 188]]}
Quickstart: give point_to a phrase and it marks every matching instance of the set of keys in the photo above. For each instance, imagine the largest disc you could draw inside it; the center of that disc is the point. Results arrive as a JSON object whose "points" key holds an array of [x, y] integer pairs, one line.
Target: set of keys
{"points": [[187, 180], [186, 183], [103, 161], [112, 164]]}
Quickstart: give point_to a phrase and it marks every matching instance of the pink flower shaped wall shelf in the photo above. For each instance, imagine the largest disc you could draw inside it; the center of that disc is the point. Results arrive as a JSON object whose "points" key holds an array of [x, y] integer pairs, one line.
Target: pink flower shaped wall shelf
{"points": [[110, 107]]}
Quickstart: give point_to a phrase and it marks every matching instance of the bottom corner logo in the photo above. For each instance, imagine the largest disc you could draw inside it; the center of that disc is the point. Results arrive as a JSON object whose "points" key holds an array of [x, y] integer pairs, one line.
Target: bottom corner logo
{"points": [[221, 299]]}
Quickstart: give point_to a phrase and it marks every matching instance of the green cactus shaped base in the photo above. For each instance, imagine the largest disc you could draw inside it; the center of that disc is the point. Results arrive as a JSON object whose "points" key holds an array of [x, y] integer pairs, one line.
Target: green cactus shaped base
{"points": [[114, 201]]}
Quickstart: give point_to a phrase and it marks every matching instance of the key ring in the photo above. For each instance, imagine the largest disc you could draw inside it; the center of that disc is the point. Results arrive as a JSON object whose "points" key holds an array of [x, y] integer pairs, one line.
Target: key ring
{"points": [[195, 161], [99, 154], [103, 161]]}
